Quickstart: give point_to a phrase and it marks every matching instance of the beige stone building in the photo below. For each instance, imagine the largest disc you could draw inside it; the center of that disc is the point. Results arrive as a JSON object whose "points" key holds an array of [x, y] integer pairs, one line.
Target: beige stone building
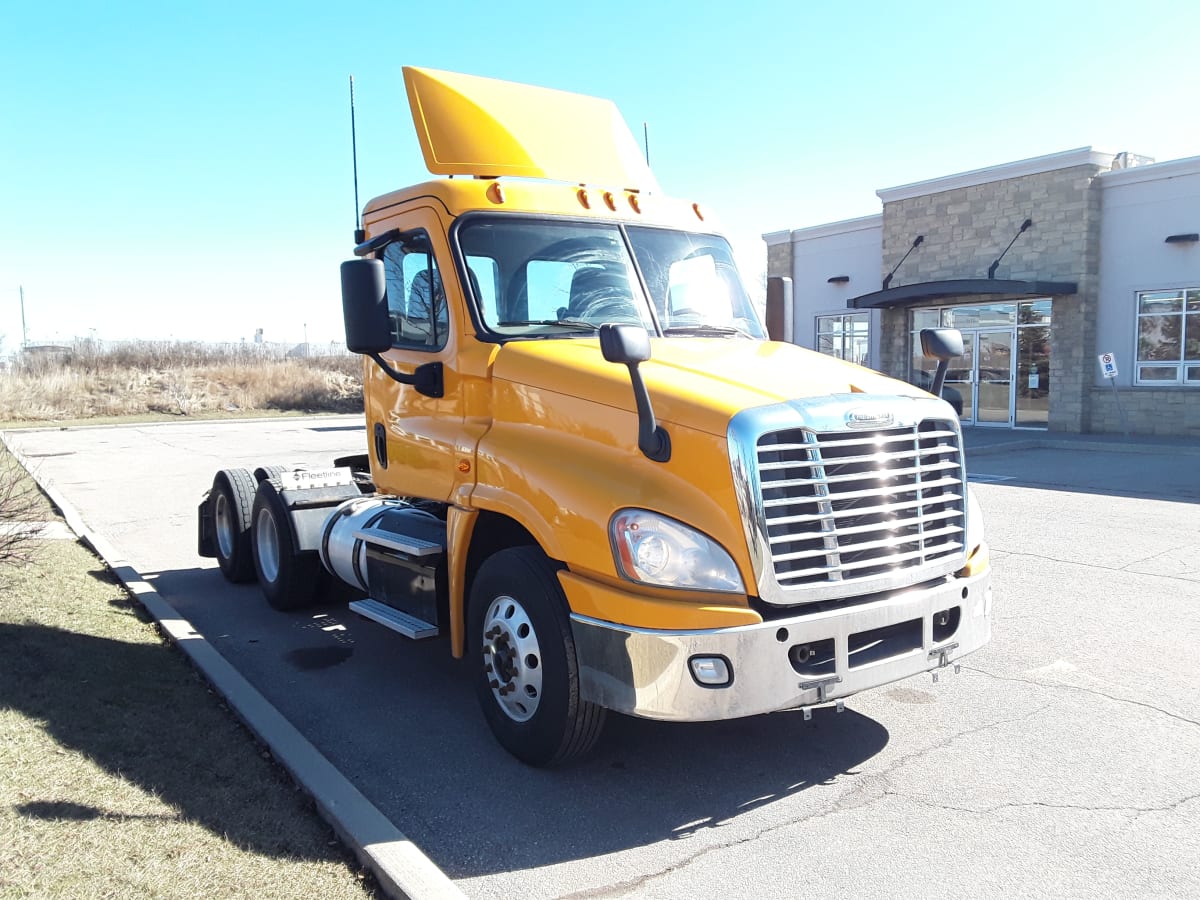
{"points": [[1045, 265]]}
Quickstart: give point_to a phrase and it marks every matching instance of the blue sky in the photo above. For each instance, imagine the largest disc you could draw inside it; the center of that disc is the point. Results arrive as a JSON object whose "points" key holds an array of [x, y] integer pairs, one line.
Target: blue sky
{"points": [[183, 170]]}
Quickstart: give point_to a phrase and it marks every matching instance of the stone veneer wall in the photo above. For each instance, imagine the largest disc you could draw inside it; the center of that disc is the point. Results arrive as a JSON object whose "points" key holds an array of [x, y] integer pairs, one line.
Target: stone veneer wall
{"points": [[1148, 411], [966, 228]]}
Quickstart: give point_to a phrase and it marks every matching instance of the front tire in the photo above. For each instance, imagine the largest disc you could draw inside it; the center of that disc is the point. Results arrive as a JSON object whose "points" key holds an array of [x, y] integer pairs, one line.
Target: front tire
{"points": [[230, 502], [527, 676], [289, 578]]}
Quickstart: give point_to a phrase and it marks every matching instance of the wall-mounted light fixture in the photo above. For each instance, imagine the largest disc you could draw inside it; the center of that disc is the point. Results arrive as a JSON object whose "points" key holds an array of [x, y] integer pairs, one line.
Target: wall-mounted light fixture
{"points": [[1183, 238], [838, 279], [1025, 226]]}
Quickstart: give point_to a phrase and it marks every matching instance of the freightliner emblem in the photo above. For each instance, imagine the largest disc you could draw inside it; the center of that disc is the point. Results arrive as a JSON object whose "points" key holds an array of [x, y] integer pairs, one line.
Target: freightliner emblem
{"points": [[861, 418]]}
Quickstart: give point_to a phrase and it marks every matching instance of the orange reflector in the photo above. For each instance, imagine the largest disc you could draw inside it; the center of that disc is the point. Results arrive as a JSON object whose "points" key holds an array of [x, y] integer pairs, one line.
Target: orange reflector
{"points": [[584, 200], [496, 192]]}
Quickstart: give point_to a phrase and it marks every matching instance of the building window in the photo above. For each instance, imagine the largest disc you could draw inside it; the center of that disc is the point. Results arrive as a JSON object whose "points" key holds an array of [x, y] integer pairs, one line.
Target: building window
{"points": [[1168, 331], [846, 337]]}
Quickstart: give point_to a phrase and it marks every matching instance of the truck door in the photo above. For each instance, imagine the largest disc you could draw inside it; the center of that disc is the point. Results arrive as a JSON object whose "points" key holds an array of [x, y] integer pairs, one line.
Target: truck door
{"points": [[416, 442]]}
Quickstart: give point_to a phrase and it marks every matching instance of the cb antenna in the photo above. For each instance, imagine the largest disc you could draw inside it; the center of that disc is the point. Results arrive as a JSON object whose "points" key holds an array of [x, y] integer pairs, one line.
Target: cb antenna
{"points": [[359, 234]]}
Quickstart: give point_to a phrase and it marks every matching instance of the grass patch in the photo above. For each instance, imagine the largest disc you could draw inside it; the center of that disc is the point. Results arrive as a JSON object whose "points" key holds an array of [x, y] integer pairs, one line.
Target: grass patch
{"points": [[121, 773]]}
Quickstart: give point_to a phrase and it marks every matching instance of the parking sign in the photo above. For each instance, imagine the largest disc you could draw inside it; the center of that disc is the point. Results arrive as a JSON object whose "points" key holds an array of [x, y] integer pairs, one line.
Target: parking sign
{"points": [[1108, 363]]}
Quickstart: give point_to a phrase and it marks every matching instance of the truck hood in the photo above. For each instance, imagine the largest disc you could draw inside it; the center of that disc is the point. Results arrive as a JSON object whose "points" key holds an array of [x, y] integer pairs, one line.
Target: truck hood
{"points": [[699, 383]]}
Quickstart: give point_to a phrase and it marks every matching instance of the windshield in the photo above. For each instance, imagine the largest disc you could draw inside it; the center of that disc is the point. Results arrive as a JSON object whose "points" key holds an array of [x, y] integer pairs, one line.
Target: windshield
{"points": [[543, 278]]}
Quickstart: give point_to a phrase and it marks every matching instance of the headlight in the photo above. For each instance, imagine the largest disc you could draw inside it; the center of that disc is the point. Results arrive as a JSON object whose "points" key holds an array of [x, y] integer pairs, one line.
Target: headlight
{"points": [[656, 550], [974, 536]]}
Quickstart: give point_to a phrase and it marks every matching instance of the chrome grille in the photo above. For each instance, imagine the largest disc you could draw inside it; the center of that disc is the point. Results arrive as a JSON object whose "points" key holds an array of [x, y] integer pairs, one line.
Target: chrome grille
{"points": [[853, 506]]}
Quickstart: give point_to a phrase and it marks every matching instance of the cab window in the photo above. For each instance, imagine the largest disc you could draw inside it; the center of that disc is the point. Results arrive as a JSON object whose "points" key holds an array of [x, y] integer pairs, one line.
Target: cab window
{"points": [[416, 297]]}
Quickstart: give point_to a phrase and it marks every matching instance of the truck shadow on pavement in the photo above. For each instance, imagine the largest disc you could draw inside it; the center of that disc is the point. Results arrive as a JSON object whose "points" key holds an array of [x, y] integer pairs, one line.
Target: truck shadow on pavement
{"points": [[400, 720], [419, 748], [645, 783], [132, 710]]}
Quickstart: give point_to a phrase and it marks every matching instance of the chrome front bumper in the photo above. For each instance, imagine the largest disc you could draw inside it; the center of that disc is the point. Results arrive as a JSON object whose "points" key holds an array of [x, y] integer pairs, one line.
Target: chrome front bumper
{"points": [[648, 673]]}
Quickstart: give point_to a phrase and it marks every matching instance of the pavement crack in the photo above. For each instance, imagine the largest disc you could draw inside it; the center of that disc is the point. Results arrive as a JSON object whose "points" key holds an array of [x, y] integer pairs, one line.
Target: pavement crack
{"points": [[1084, 690], [1094, 565], [1134, 811], [1153, 556]]}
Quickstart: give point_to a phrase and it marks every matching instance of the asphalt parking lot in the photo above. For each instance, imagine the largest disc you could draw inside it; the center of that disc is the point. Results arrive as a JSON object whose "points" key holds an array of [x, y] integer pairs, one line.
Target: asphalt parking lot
{"points": [[1059, 763]]}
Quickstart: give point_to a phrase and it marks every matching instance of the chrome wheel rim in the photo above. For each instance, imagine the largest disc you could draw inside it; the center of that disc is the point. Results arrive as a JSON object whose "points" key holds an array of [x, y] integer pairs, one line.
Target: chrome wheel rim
{"points": [[266, 541], [223, 520], [512, 658]]}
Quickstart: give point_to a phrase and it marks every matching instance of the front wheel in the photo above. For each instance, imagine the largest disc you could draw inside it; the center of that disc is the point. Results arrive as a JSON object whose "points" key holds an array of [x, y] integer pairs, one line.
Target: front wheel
{"points": [[527, 679], [289, 578]]}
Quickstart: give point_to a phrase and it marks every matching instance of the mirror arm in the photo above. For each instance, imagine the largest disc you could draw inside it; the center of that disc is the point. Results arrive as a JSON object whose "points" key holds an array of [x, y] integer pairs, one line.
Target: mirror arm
{"points": [[653, 439], [426, 378], [377, 243], [939, 377]]}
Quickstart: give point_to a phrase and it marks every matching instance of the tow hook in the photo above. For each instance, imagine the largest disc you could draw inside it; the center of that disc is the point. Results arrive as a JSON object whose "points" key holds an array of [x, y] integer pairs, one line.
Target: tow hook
{"points": [[942, 654], [821, 687]]}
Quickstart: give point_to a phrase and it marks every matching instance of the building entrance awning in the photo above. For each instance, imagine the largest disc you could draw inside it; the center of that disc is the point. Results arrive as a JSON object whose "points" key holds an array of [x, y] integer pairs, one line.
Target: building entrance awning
{"points": [[919, 294]]}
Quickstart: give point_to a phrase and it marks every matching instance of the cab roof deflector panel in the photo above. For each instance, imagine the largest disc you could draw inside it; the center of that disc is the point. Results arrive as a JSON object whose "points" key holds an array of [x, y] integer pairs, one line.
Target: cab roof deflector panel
{"points": [[469, 125]]}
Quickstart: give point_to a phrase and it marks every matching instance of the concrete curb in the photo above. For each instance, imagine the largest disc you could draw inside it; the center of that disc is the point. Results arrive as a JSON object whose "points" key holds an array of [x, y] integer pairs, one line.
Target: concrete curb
{"points": [[399, 865]]}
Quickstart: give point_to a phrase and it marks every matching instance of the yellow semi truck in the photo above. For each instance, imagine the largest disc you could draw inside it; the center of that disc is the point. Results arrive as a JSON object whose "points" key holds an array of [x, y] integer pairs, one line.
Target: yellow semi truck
{"points": [[588, 467]]}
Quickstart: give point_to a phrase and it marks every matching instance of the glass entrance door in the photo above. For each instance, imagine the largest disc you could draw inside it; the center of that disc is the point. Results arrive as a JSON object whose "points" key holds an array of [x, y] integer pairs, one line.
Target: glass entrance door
{"points": [[993, 376], [983, 376], [960, 381], [1002, 378]]}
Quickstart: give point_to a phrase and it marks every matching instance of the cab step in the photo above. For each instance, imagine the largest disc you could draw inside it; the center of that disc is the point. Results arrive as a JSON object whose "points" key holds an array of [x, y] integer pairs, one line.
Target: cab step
{"points": [[413, 546], [390, 617]]}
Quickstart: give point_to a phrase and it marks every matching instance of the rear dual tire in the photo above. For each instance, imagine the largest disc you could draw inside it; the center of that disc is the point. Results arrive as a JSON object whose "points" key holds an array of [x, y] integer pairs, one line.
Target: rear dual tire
{"points": [[290, 579], [231, 501]]}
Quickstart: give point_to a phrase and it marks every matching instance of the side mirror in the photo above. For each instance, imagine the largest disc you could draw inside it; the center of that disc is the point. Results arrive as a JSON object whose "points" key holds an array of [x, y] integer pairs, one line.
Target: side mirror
{"points": [[369, 325], [365, 307], [630, 345], [942, 344]]}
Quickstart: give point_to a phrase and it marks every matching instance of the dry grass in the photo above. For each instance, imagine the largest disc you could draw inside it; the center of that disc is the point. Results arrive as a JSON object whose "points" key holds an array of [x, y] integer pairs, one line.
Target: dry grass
{"points": [[22, 508], [121, 774], [178, 379]]}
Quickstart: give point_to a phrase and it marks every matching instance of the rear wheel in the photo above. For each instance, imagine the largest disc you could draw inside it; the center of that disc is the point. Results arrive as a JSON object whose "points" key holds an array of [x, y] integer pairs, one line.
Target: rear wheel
{"points": [[262, 473], [289, 578], [231, 501], [527, 679]]}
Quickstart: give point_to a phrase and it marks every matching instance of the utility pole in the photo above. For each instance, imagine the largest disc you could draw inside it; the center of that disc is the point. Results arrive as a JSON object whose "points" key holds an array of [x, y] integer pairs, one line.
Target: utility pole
{"points": [[24, 330]]}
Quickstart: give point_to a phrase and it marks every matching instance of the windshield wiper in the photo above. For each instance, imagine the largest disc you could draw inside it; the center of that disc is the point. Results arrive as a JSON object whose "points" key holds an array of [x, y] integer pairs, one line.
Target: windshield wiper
{"points": [[708, 329], [577, 324]]}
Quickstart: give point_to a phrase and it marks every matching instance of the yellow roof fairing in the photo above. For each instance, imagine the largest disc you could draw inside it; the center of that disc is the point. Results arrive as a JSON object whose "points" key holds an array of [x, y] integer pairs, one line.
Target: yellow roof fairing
{"points": [[469, 125]]}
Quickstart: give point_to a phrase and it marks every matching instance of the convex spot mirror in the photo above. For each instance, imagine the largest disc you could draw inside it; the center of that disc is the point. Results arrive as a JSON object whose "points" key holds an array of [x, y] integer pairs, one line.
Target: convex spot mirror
{"points": [[624, 343]]}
